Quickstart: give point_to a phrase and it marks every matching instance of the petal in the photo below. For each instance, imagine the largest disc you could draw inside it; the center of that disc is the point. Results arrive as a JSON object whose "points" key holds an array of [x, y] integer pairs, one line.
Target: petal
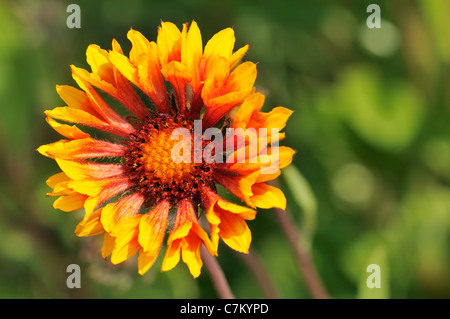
{"points": [[221, 44], [126, 207], [88, 170], [107, 190], [220, 98], [70, 132], [152, 228], [186, 238], [227, 221], [125, 67], [172, 256], [76, 99], [139, 46], [178, 75], [239, 186], [114, 119], [53, 180], [82, 149], [191, 52], [108, 244], [93, 187], [238, 55], [145, 261], [190, 254], [266, 196], [126, 243], [98, 59], [235, 232], [90, 226], [151, 80], [169, 42], [78, 116], [70, 202]]}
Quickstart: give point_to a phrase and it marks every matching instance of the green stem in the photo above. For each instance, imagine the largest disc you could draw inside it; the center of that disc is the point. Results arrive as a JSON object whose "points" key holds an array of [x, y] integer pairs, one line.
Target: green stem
{"points": [[217, 275]]}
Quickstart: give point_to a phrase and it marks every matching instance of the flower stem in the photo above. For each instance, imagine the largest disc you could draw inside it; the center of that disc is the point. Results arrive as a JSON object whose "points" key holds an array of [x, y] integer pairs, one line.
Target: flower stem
{"points": [[217, 275], [253, 262], [302, 256]]}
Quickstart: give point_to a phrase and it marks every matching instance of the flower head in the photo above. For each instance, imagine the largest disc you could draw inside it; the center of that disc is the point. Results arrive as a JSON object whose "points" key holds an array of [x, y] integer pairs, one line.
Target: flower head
{"points": [[142, 181]]}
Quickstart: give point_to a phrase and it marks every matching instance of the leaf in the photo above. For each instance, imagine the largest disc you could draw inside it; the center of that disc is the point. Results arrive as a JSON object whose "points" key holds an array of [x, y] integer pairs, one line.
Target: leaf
{"points": [[305, 199]]}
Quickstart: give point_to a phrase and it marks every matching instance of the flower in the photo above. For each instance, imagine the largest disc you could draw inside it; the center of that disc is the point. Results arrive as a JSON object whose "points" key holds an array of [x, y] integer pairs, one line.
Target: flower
{"points": [[131, 186]]}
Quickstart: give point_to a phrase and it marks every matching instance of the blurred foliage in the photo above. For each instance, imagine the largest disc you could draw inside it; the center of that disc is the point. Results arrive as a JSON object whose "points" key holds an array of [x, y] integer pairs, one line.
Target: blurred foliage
{"points": [[371, 182]]}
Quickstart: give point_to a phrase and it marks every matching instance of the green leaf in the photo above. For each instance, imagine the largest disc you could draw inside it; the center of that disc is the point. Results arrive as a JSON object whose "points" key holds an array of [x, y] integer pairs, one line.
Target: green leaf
{"points": [[304, 198]]}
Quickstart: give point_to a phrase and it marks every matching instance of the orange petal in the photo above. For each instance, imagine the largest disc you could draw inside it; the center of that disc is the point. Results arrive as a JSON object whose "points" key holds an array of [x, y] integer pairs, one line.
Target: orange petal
{"points": [[78, 116], [178, 75], [222, 97], [125, 66], [239, 186], [151, 80], [114, 119], [81, 149], [191, 53]]}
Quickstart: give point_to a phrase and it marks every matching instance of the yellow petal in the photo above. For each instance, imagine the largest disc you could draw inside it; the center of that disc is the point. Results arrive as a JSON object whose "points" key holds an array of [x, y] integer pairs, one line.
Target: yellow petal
{"points": [[191, 50], [74, 115], [126, 244], [70, 202], [238, 55], [145, 261], [53, 180], [190, 254], [90, 226], [124, 65], [251, 104], [88, 170], [235, 232], [172, 256], [244, 75], [98, 59], [221, 44], [152, 228], [139, 46], [75, 98], [169, 42], [266, 196], [108, 244], [242, 211], [124, 208], [70, 132]]}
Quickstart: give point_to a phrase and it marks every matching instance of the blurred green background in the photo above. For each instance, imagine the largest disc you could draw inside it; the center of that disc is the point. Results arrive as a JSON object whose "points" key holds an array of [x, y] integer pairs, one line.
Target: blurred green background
{"points": [[371, 181]]}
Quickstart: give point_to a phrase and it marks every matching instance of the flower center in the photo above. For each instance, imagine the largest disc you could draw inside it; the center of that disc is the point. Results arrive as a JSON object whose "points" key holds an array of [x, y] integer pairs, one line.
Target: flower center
{"points": [[156, 170]]}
